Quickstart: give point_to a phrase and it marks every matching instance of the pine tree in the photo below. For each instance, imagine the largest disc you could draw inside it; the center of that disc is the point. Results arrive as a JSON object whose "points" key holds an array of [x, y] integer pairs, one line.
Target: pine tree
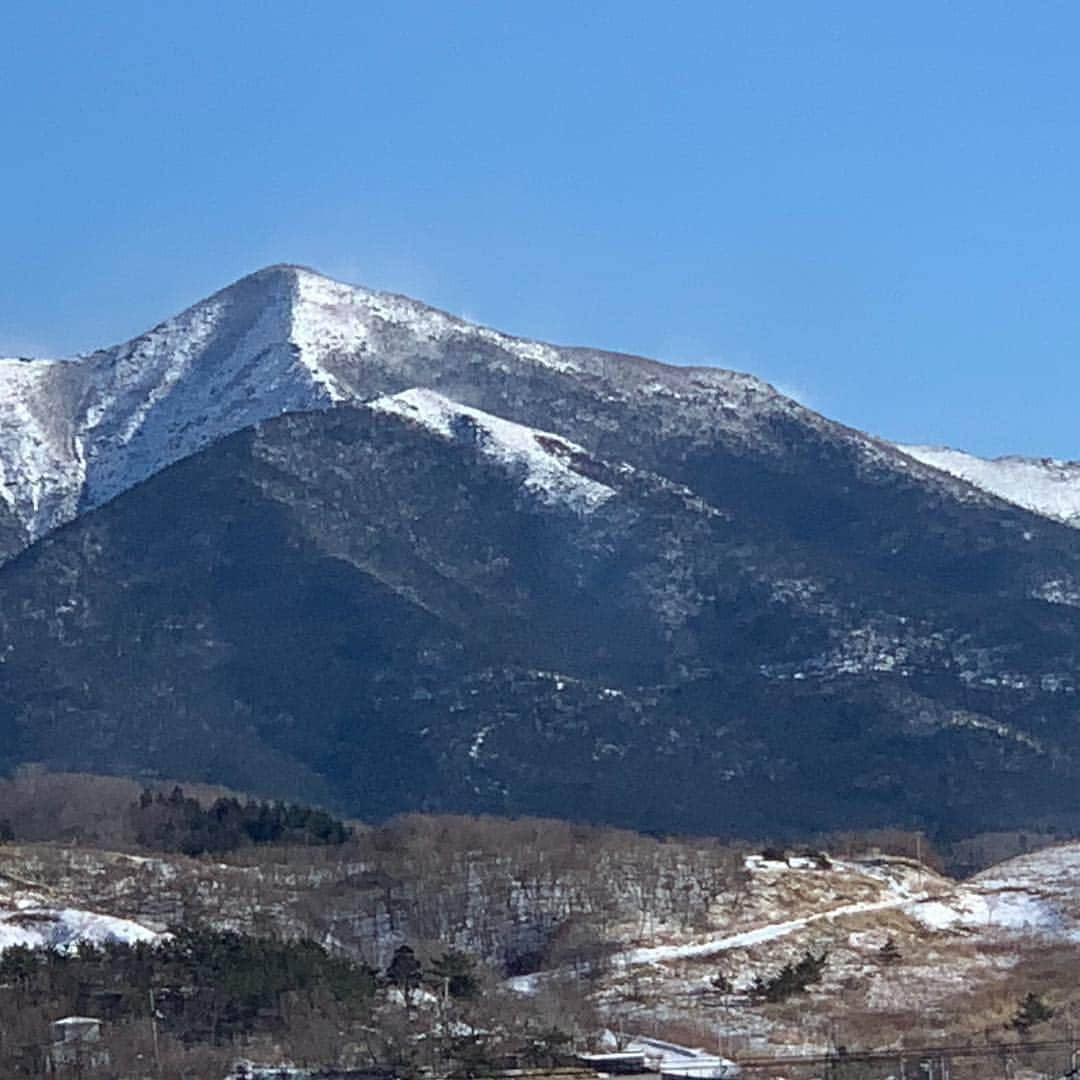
{"points": [[405, 972], [455, 971], [791, 978], [1031, 1010]]}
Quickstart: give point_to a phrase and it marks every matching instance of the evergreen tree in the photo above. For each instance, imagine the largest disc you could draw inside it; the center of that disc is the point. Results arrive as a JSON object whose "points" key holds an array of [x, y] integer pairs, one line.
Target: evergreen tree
{"points": [[1030, 1011], [179, 823], [405, 972], [456, 972], [791, 978]]}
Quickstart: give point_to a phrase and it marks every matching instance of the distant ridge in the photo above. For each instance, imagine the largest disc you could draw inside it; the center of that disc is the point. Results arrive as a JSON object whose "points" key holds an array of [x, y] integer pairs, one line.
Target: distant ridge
{"points": [[1043, 485]]}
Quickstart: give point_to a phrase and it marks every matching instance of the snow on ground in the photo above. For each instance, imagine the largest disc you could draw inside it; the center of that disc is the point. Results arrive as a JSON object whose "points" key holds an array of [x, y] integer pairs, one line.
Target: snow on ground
{"points": [[37, 915], [1045, 485], [951, 939], [330, 315], [820, 894], [674, 1060], [759, 936], [993, 911], [40, 927], [1037, 895], [251, 1070], [546, 460]]}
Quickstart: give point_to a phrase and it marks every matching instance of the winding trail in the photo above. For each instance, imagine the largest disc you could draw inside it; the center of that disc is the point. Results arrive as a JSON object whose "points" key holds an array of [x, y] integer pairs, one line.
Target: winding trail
{"points": [[769, 932]]}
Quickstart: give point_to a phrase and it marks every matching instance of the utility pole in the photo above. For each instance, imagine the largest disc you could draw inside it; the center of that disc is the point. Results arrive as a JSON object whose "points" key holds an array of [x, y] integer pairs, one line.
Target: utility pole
{"points": [[154, 1033]]}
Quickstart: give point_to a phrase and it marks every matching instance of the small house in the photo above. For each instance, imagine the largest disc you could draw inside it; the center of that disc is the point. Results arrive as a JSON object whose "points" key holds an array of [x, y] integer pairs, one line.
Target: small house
{"points": [[76, 1040]]}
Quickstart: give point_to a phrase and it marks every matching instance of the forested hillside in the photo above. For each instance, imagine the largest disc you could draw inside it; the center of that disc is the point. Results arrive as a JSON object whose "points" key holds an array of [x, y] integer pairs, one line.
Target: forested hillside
{"points": [[468, 942]]}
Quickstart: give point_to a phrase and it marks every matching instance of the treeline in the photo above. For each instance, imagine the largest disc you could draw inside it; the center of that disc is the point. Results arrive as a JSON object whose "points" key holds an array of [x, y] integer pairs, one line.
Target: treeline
{"points": [[94, 810], [188, 1001], [114, 813], [178, 822], [117, 814], [207, 985], [201, 997]]}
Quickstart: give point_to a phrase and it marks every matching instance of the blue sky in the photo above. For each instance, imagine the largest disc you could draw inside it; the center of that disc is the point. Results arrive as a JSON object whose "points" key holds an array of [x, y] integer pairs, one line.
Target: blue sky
{"points": [[872, 205]]}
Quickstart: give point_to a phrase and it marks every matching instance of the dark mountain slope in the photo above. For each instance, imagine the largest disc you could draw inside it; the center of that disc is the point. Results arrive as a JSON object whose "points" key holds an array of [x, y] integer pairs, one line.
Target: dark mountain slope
{"points": [[360, 608]]}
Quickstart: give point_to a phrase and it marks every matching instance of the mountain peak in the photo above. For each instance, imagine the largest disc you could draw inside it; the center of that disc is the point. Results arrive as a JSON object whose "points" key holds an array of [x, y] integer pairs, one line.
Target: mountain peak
{"points": [[289, 339]]}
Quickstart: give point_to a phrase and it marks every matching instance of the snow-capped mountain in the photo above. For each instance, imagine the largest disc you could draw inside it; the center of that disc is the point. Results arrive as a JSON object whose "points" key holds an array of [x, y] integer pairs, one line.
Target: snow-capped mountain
{"points": [[332, 544], [1045, 486], [74, 434]]}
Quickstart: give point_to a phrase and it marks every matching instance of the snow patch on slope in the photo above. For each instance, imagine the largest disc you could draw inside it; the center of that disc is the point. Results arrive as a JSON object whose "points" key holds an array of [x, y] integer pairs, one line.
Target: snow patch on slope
{"points": [[217, 368], [546, 460], [758, 936], [38, 927], [1045, 486], [41, 474]]}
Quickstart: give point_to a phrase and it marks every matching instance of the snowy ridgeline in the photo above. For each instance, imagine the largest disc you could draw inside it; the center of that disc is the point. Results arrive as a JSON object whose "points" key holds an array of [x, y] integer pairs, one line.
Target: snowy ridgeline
{"points": [[1043, 485], [73, 434]]}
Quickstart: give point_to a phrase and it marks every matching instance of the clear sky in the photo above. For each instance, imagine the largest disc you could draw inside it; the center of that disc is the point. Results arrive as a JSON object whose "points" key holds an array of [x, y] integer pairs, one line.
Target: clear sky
{"points": [[874, 205]]}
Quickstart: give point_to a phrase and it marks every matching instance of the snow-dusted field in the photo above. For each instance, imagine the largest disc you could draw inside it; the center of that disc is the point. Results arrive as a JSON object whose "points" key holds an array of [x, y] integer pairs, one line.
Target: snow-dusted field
{"points": [[954, 941]]}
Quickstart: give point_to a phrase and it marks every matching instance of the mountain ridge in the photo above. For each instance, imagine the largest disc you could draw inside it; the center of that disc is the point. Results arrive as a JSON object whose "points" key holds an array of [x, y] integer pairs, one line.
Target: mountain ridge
{"points": [[349, 549], [1046, 486], [75, 433]]}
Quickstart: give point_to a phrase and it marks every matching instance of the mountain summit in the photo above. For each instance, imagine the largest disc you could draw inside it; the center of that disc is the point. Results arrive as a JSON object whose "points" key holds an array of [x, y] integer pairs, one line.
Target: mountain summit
{"points": [[285, 339]]}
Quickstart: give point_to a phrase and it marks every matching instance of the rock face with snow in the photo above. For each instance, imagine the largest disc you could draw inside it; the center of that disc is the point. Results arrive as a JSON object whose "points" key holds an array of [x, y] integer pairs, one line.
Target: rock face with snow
{"points": [[545, 461], [329, 543]]}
